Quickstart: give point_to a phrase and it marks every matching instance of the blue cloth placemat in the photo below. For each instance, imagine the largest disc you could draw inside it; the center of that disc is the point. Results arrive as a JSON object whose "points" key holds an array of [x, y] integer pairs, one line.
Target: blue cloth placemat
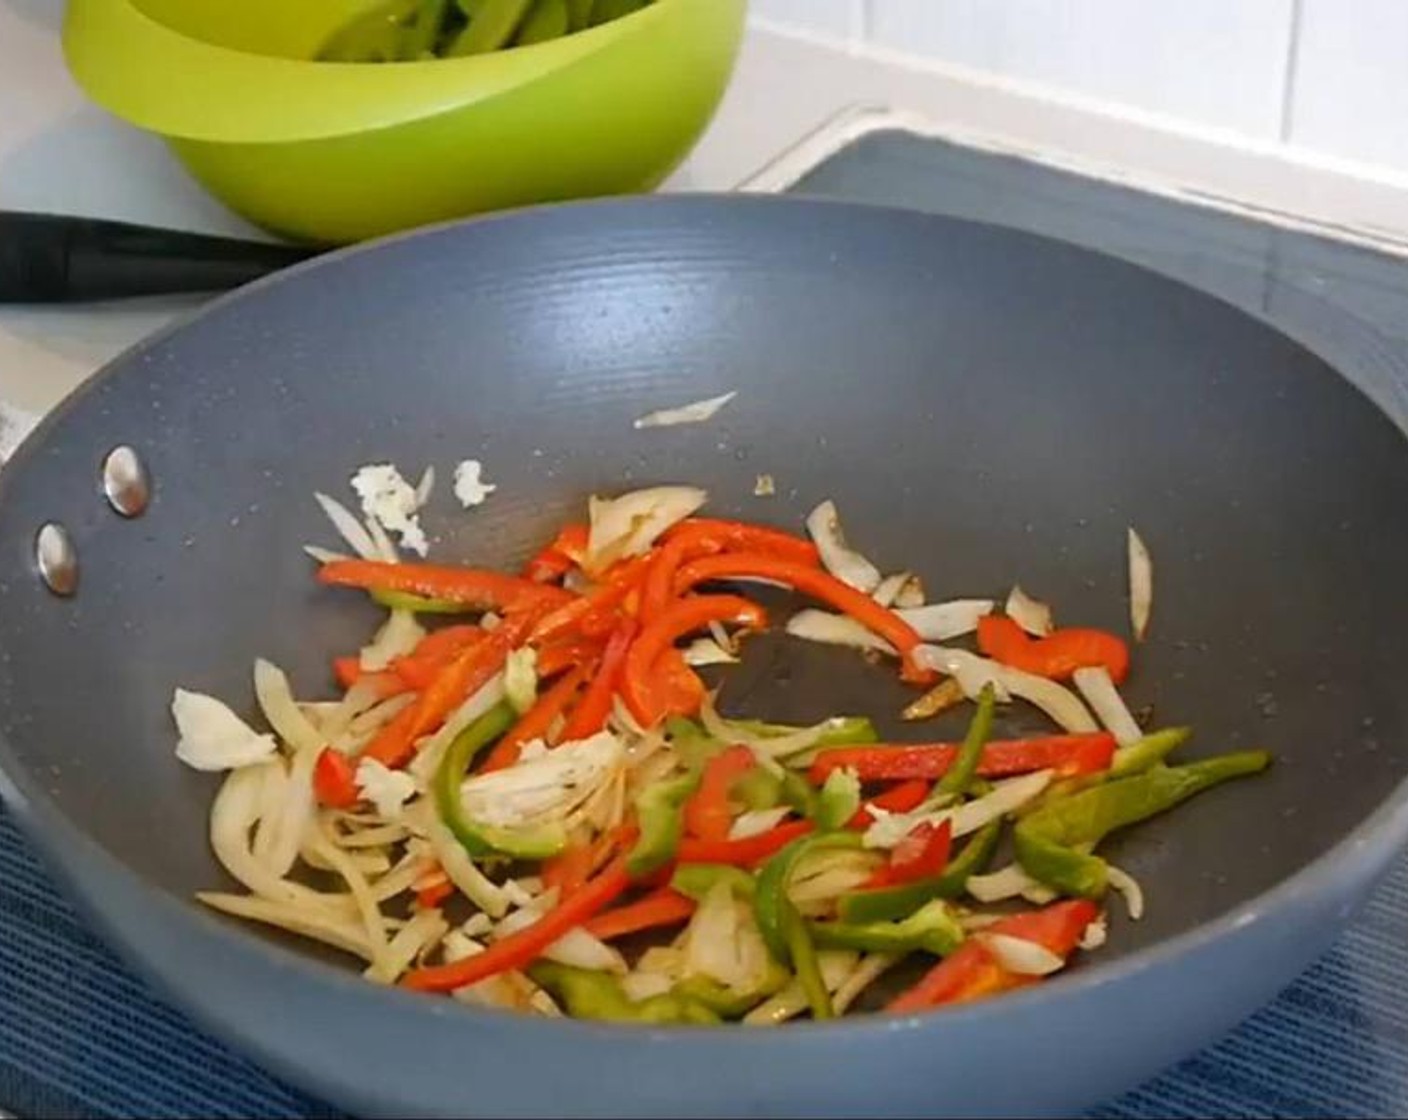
{"points": [[80, 1036]]}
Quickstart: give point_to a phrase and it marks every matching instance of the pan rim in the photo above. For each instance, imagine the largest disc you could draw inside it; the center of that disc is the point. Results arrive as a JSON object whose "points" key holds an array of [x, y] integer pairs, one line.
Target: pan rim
{"points": [[1363, 853]]}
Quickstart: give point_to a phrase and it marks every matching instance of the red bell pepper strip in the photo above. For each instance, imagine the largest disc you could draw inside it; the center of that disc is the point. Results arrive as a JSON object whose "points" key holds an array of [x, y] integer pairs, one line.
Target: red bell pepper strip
{"points": [[817, 584], [436, 650], [594, 708], [1068, 755], [744, 852], [474, 587], [569, 870], [335, 780], [537, 721], [1058, 655], [922, 854], [435, 891], [678, 690], [973, 972], [555, 658], [707, 534], [588, 613], [466, 674], [560, 556], [897, 799], [522, 948], [708, 814], [681, 618], [698, 537], [662, 907], [348, 671]]}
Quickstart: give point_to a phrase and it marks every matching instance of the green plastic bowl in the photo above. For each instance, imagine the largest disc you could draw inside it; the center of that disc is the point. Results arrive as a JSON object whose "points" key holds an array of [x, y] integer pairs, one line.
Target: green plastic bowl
{"points": [[338, 152]]}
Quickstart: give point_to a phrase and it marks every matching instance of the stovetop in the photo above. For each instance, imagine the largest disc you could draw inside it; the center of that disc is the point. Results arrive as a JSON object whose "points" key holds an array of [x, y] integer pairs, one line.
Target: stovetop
{"points": [[80, 1036]]}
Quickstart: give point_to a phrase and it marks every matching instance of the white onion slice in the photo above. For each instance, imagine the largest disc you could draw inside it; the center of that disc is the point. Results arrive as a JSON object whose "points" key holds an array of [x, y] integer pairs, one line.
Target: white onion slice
{"points": [[1008, 795], [1017, 954], [1141, 585], [640, 986], [397, 637], [275, 697], [757, 821], [834, 629], [1032, 615], [349, 528], [630, 524], [423, 931], [707, 651], [1129, 888], [694, 413], [837, 557], [340, 933], [941, 622], [212, 737], [870, 969], [388, 790], [295, 815], [722, 941], [1095, 933], [911, 595], [1109, 707], [1011, 882], [426, 486], [889, 588], [521, 678], [432, 749], [763, 746], [973, 672]]}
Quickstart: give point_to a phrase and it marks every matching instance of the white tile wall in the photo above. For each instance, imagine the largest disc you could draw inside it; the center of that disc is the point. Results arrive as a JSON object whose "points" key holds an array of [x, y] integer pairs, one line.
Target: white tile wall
{"points": [[1216, 62], [839, 18], [1327, 76], [1350, 96]]}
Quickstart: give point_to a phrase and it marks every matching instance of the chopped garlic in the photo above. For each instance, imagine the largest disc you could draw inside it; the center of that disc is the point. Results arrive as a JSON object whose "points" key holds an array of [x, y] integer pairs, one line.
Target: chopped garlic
{"points": [[695, 413], [765, 486], [387, 789], [470, 487], [391, 502], [212, 737]]}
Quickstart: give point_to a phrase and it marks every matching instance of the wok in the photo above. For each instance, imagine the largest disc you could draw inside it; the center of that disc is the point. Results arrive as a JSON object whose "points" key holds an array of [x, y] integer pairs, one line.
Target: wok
{"points": [[984, 405]]}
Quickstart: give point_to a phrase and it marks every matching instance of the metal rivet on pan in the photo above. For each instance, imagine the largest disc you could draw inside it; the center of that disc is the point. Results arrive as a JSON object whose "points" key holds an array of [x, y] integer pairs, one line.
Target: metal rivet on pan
{"points": [[125, 481], [56, 559]]}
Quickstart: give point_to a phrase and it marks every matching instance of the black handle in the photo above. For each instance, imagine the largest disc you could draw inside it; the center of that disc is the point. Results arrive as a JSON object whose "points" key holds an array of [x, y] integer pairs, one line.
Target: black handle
{"points": [[52, 258]]}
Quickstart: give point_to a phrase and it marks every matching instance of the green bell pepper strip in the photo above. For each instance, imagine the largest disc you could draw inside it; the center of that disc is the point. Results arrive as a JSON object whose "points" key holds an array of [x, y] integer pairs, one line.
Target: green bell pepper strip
{"points": [[802, 950], [695, 880], [548, 19], [490, 28], [1139, 756], [729, 1002], [932, 928], [892, 903], [660, 807], [960, 775], [604, 11], [839, 800], [758, 789], [598, 995], [418, 604], [374, 36], [478, 839], [1046, 842], [771, 905], [579, 14], [696, 746], [420, 38]]}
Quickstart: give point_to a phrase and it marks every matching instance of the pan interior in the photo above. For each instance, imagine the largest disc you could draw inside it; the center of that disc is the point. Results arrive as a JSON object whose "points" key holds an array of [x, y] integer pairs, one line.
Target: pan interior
{"points": [[985, 407]]}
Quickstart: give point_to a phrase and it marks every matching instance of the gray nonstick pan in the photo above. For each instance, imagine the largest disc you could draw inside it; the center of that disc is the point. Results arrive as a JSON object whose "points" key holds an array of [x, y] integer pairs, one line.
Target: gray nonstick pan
{"points": [[985, 405]]}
